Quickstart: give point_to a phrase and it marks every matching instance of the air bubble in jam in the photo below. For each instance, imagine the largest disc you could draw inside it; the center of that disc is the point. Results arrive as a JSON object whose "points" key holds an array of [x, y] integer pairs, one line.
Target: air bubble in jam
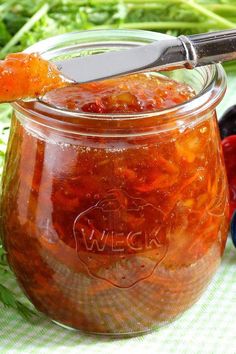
{"points": [[139, 221]]}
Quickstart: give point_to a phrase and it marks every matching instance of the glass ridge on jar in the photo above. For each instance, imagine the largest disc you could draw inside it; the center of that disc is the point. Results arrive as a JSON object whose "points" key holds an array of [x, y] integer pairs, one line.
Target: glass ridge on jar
{"points": [[115, 223]]}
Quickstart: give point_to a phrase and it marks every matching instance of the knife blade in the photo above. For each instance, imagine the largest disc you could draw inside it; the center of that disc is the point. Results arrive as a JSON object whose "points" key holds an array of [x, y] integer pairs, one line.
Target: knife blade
{"points": [[114, 63]]}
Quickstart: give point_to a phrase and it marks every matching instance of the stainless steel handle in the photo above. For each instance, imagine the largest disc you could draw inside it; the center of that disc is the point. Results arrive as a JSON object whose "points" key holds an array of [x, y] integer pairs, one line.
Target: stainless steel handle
{"points": [[209, 48]]}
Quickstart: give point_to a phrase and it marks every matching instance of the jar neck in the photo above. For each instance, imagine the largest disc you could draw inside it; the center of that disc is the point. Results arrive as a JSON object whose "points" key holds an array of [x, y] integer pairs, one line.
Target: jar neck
{"points": [[208, 82]]}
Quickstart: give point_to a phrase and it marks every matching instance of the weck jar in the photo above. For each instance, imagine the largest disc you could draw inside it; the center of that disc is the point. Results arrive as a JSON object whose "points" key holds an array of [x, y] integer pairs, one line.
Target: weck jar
{"points": [[115, 223]]}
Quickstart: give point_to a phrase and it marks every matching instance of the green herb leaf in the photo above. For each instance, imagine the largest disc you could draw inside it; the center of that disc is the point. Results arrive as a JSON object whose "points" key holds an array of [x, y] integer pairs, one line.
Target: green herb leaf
{"points": [[9, 300]]}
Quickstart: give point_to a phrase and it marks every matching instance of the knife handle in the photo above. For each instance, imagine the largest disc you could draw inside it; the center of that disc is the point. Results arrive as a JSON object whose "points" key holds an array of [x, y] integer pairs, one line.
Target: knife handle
{"points": [[209, 48]]}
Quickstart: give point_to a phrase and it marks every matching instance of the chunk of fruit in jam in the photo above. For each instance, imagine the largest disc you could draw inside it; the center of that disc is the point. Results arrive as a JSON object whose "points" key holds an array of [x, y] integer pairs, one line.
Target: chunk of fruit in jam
{"points": [[25, 75], [129, 94]]}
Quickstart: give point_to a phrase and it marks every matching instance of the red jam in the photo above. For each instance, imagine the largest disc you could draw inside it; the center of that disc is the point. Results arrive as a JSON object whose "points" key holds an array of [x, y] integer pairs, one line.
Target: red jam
{"points": [[130, 94], [114, 233]]}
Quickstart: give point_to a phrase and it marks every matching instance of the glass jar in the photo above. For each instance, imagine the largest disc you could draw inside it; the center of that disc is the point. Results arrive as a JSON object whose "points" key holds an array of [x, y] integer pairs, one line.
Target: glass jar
{"points": [[115, 223]]}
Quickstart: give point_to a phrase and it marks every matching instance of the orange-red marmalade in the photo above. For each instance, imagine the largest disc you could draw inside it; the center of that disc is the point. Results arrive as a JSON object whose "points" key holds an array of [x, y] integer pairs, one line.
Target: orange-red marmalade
{"points": [[25, 75], [114, 233]]}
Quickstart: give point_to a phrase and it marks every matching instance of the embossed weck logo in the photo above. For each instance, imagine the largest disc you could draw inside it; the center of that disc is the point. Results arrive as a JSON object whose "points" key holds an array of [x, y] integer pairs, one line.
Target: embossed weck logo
{"points": [[121, 239]]}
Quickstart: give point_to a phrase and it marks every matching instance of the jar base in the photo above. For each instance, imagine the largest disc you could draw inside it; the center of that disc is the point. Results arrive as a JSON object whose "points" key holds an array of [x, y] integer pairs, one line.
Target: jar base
{"points": [[106, 334]]}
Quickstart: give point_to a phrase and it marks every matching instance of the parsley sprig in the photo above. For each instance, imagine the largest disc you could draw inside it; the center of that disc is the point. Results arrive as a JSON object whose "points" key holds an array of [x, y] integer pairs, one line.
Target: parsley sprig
{"points": [[7, 297]]}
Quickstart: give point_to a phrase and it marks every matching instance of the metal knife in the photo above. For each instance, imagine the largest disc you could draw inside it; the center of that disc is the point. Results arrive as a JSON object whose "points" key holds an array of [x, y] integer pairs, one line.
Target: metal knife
{"points": [[181, 52]]}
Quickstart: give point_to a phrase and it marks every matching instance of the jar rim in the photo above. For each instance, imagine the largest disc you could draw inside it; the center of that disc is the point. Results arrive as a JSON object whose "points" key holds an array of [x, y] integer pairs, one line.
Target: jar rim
{"points": [[208, 97]]}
